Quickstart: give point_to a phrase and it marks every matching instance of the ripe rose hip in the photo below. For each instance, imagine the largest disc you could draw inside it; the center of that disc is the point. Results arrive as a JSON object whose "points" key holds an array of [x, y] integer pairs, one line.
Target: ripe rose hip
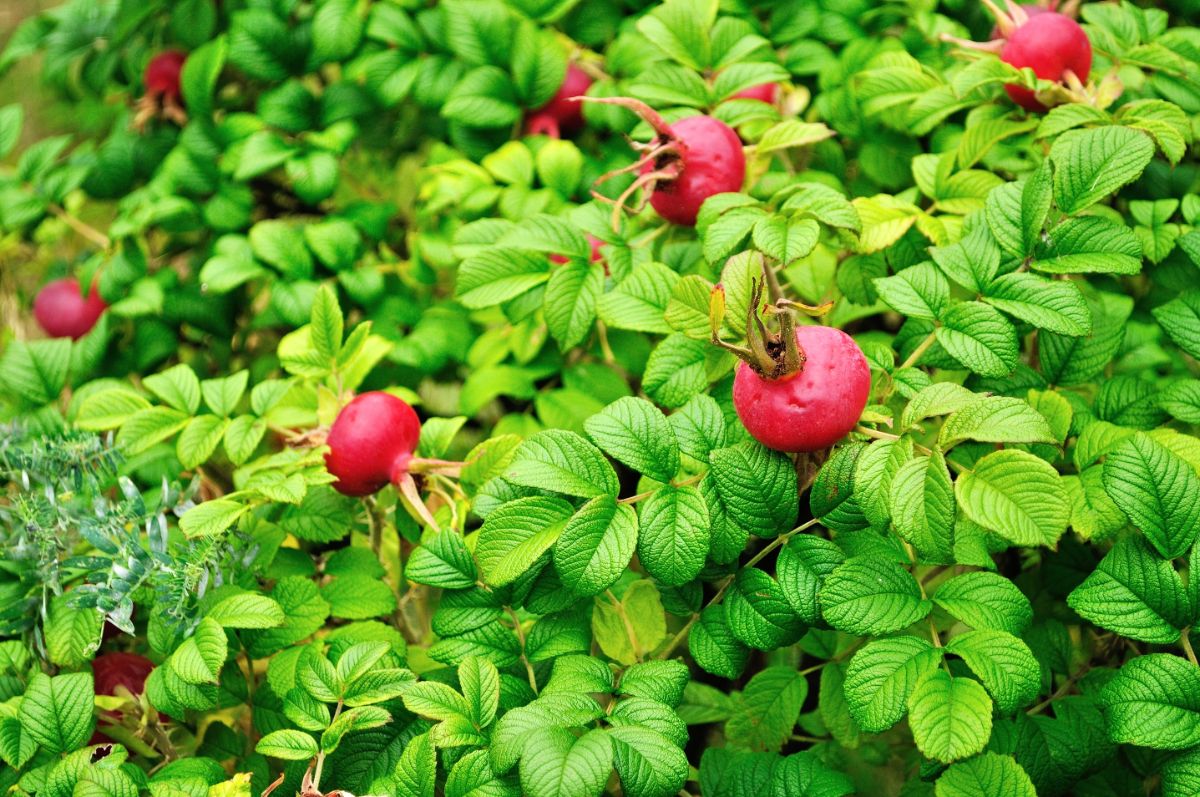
{"points": [[163, 75], [1051, 44], [563, 113], [765, 92], [812, 408], [709, 160], [371, 443], [63, 312], [111, 670]]}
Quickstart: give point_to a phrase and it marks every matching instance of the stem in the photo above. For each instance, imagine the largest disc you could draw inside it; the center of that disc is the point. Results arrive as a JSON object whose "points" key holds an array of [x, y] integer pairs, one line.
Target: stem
{"points": [[321, 756], [629, 632], [83, 228], [633, 499], [375, 523], [911, 360], [679, 637], [1187, 646], [521, 638], [809, 739], [1062, 690]]}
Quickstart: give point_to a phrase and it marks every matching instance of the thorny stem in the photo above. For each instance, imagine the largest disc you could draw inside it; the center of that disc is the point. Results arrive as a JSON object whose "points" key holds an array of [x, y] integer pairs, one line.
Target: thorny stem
{"points": [[521, 638], [83, 228], [1186, 644], [633, 640]]}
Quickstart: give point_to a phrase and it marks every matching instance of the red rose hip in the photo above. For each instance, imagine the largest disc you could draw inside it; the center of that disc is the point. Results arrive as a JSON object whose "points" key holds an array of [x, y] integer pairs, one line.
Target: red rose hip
{"points": [[564, 112], [162, 76], [63, 312], [1051, 44], [764, 92], [128, 670], [371, 443], [709, 160], [812, 408]]}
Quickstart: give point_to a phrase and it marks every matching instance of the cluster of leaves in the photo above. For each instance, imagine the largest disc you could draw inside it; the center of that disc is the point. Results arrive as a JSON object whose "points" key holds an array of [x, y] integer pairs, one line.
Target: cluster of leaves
{"points": [[990, 587]]}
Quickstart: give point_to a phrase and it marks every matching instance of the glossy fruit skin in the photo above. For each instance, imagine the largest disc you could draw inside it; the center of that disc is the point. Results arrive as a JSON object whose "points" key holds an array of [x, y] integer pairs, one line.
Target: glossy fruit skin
{"points": [[110, 670], [371, 443], [764, 92], [1050, 43], [813, 408], [163, 73], [713, 163], [63, 312], [562, 114]]}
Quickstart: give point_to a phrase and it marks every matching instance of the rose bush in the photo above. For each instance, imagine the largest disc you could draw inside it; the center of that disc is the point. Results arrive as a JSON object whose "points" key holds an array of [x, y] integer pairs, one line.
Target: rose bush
{"points": [[793, 414]]}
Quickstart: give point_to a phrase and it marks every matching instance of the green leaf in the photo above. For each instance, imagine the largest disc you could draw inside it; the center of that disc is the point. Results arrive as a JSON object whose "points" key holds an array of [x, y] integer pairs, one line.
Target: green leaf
{"points": [[358, 597], [288, 745], [516, 534], [325, 327], [72, 635], [770, 707], [680, 29], [1091, 164], [198, 79], [304, 612], [12, 118], [1016, 495], [758, 612], [802, 567], [178, 387], [757, 486], [714, 647], [497, 275], [804, 775], [222, 395], [871, 596], [642, 614], [199, 439], [996, 419], [1181, 400], [923, 508], [699, 427], [595, 546], [1180, 317], [939, 398], [648, 763], [1089, 245], [1154, 701], [570, 303], [442, 561], [108, 409], [920, 291], [1004, 663], [563, 462], [881, 677], [480, 682], [639, 302], [211, 517], [985, 600], [416, 769], [951, 718], [1158, 491], [200, 658], [362, 718], [558, 764], [1047, 304], [1134, 593], [980, 338], [337, 28], [673, 536], [57, 712], [984, 776], [636, 433], [786, 240]]}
